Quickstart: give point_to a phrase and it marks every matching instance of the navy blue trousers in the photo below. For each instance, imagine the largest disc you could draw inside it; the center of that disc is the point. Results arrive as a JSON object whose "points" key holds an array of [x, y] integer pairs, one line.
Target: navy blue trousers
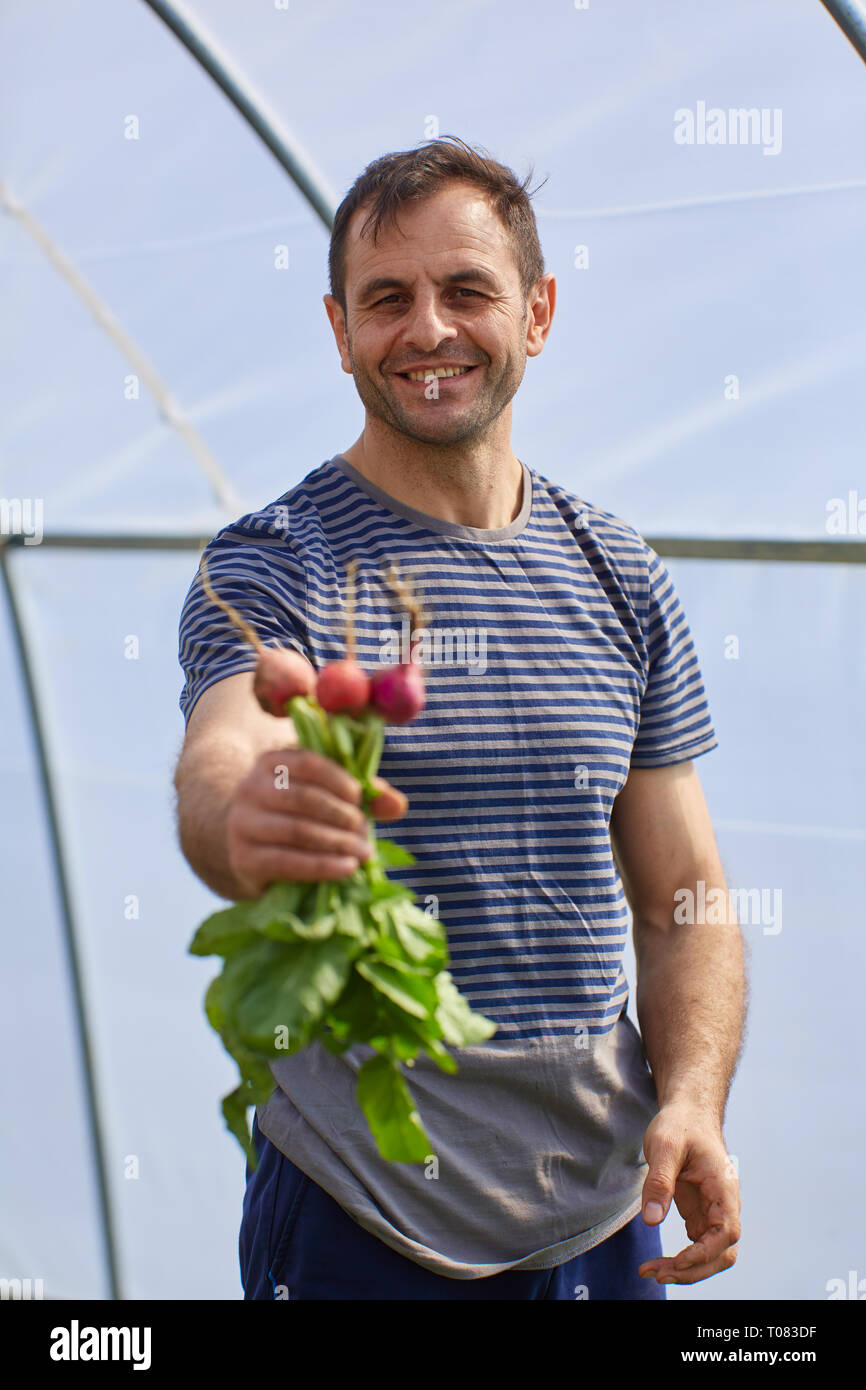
{"points": [[296, 1242]]}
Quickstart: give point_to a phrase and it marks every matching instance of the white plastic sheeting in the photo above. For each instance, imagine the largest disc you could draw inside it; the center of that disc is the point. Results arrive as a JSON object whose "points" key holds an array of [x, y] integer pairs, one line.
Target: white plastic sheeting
{"points": [[702, 263]]}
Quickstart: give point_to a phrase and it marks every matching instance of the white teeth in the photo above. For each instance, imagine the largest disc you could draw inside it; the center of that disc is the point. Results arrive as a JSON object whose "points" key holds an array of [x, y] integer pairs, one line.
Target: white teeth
{"points": [[440, 371]]}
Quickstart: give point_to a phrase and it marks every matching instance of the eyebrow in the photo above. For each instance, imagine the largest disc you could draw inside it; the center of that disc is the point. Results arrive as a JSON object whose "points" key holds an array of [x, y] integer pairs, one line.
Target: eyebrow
{"points": [[471, 274]]}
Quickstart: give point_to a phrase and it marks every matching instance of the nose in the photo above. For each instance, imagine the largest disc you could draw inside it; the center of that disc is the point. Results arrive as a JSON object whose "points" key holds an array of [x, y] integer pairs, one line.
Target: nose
{"points": [[426, 325]]}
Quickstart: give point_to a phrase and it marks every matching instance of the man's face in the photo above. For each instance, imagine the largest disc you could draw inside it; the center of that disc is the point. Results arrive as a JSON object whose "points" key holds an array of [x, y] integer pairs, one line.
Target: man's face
{"points": [[453, 298]]}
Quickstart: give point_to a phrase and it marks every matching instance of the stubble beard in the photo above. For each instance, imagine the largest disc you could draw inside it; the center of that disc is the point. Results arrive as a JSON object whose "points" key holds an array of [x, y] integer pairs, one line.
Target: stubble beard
{"points": [[491, 399]]}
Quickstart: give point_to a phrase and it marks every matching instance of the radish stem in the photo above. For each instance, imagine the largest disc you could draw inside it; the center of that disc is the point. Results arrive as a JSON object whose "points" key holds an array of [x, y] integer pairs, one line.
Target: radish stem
{"points": [[240, 623], [351, 570]]}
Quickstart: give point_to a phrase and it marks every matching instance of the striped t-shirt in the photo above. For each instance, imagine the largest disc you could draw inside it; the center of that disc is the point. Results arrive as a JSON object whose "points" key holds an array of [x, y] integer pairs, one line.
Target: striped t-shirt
{"points": [[557, 656]]}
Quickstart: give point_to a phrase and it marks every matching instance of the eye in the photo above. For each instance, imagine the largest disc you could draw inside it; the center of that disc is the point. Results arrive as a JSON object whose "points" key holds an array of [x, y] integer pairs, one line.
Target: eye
{"points": [[463, 289]]}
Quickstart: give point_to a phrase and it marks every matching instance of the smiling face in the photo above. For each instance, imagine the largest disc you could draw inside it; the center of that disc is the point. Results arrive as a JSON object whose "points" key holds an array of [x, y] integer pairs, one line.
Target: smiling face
{"points": [[442, 290]]}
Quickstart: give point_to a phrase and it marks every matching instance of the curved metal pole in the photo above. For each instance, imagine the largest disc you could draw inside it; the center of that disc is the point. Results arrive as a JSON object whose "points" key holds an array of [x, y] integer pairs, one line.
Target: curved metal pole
{"points": [[776, 551], [67, 917], [125, 343], [186, 27], [850, 15]]}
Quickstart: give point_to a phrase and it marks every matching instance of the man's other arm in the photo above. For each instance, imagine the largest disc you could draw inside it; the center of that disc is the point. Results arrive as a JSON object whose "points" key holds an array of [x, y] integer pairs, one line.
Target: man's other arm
{"points": [[690, 1006]]}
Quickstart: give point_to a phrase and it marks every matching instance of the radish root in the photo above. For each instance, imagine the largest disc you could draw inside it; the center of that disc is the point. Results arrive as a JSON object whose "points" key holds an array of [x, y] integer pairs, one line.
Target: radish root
{"points": [[409, 601], [351, 598], [240, 623]]}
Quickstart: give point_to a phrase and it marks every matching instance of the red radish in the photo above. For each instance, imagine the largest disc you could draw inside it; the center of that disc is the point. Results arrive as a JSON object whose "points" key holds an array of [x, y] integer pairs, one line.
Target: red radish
{"points": [[398, 693], [280, 674], [343, 686]]}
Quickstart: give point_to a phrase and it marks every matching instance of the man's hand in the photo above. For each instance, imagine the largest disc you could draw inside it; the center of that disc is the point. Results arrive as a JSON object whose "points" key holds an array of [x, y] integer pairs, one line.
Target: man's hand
{"points": [[297, 815], [688, 1163]]}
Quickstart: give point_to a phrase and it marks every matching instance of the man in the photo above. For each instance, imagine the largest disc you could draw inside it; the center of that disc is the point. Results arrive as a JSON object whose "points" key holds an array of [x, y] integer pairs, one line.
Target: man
{"points": [[551, 769]]}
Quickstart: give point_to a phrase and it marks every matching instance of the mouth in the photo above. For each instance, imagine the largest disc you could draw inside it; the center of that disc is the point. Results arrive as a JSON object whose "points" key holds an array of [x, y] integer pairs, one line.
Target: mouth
{"points": [[443, 376]]}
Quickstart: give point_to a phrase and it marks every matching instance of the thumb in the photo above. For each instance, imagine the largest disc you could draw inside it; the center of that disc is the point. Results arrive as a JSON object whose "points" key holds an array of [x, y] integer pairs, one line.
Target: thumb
{"points": [[390, 804], [658, 1188]]}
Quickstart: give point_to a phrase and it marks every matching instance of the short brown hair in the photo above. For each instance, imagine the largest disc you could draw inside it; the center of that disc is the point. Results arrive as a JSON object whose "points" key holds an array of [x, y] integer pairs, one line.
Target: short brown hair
{"points": [[409, 176]]}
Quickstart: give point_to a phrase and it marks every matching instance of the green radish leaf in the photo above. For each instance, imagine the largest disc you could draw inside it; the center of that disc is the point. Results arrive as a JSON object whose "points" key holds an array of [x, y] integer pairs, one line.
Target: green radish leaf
{"points": [[360, 1012], [224, 933], [389, 949], [393, 855], [355, 888], [234, 1108], [420, 948], [391, 1114], [423, 922], [344, 743], [440, 1055], [285, 986], [323, 903], [383, 910], [415, 996], [296, 929], [393, 955], [312, 725], [334, 1043], [428, 1036], [284, 929], [213, 1005], [413, 1033], [309, 731], [460, 1025], [370, 747], [256, 1087], [379, 887], [404, 1046], [279, 901], [254, 1069], [350, 922]]}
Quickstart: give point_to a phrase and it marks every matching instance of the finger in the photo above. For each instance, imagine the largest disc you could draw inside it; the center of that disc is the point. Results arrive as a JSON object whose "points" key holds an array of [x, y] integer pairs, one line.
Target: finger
{"points": [[658, 1188], [307, 766], [272, 864], [390, 804], [316, 803], [726, 1260], [267, 830], [708, 1246]]}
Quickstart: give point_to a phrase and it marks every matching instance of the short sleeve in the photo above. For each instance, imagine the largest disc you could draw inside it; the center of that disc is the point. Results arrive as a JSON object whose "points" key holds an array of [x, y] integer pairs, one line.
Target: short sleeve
{"points": [[675, 722], [265, 583]]}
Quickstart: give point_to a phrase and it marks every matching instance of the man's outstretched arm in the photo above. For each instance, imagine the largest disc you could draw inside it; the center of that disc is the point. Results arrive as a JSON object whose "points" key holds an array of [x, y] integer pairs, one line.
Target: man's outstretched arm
{"points": [[690, 1006]]}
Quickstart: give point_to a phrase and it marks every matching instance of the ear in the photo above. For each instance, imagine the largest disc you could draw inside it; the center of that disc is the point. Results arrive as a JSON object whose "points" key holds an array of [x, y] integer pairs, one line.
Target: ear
{"points": [[337, 318], [541, 306]]}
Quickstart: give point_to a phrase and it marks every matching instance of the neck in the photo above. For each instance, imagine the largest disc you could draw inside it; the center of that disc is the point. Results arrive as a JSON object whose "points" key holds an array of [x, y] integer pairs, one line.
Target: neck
{"points": [[482, 489]]}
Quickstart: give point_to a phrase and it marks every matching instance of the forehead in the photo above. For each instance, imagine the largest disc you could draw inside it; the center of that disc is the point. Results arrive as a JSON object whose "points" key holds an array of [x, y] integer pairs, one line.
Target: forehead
{"points": [[457, 224]]}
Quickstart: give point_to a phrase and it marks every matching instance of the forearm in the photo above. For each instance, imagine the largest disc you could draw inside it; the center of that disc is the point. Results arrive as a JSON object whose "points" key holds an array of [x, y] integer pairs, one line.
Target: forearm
{"points": [[691, 1008], [205, 780]]}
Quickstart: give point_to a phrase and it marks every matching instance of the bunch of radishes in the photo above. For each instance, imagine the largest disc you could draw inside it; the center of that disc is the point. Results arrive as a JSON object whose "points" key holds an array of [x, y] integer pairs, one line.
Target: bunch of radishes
{"points": [[341, 687], [396, 693]]}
